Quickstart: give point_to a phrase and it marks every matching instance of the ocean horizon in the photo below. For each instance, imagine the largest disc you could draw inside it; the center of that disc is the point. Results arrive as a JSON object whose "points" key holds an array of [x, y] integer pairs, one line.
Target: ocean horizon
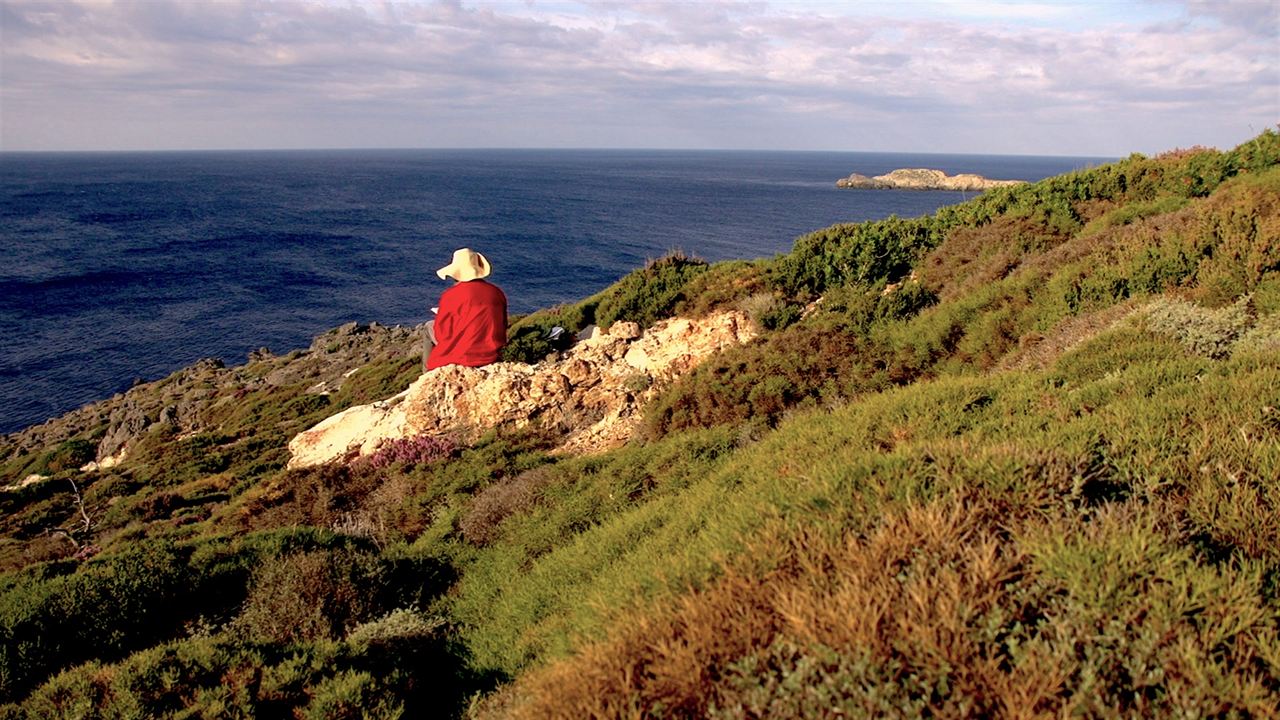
{"points": [[120, 266]]}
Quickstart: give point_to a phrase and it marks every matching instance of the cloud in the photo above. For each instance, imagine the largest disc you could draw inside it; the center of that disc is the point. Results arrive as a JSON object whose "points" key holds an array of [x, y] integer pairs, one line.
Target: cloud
{"points": [[263, 73]]}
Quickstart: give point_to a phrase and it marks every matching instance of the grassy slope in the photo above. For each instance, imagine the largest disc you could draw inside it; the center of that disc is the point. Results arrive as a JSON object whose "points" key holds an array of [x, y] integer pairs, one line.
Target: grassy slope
{"points": [[1039, 478]]}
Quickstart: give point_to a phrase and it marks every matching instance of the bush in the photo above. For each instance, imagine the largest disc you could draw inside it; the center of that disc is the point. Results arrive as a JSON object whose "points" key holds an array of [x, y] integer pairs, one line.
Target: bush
{"points": [[865, 254], [1210, 333], [70, 455], [397, 625], [111, 606], [311, 595], [651, 293], [531, 343], [400, 667], [758, 381], [350, 695], [1133, 212], [724, 284], [528, 337], [480, 522]]}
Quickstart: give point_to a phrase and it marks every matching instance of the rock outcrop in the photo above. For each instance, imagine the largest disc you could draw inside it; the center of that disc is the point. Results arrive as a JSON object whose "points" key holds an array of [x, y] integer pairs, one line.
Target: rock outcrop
{"points": [[593, 393], [181, 400], [922, 179]]}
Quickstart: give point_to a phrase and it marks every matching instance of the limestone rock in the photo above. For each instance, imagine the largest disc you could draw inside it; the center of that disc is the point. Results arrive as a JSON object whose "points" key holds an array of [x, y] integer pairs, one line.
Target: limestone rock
{"points": [[625, 330], [363, 425], [593, 394]]}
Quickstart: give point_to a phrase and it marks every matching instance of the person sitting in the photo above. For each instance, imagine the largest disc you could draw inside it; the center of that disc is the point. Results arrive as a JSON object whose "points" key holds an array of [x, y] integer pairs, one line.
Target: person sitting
{"points": [[470, 327]]}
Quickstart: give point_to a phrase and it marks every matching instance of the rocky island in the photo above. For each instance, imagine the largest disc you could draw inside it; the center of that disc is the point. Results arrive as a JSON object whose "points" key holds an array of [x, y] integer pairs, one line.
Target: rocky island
{"points": [[923, 179]]}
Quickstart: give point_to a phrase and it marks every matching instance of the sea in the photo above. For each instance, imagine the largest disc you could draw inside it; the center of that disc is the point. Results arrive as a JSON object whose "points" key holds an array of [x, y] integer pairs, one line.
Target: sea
{"points": [[119, 267]]}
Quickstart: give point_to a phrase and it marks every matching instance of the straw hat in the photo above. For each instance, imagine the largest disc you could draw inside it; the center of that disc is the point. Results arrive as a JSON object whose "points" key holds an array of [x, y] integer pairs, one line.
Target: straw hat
{"points": [[467, 265]]}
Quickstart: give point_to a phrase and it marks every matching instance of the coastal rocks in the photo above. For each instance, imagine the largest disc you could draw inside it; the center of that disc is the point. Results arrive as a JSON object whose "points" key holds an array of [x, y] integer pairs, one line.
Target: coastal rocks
{"points": [[923, 179], [182, 402], [593, 393]]}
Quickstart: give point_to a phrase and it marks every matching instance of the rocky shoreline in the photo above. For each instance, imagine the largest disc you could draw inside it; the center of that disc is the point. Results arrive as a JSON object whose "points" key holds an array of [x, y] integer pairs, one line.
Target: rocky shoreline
{"points": [[923, 179], [592, 393], [180, 402]]}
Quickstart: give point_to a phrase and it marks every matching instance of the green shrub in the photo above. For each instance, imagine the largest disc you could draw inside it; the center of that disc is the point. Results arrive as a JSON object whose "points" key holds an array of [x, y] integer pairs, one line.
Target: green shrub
{"points": [[350, 695], [311, 595], [644, 296], [532, 343], [1210, 333], [107, 608], [724, 284], [70, 455], [528, 337], [1133, 212], [1260, 153], [759, 381], [858, 310], [413, 673], [865, 253], [651, 293]]}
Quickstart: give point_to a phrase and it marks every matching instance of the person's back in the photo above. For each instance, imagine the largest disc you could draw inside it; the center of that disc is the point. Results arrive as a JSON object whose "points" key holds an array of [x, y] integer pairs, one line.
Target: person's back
{"points": [[471, 326], [471, 323]]}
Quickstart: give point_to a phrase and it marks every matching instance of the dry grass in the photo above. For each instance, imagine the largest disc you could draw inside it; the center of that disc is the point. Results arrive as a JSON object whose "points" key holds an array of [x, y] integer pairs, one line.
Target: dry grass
{"points": [[972, 257], [1040, 350], [962, 608], [920, 593], [481, 522]]}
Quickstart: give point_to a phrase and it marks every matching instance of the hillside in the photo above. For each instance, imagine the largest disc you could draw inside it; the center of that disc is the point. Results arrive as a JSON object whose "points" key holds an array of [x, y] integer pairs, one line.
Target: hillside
{"points": [[1019, 458]]}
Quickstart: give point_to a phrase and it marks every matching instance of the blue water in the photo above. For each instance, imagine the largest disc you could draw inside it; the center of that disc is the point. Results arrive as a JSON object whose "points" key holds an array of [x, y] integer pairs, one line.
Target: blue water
{"points": [[117, 266]]}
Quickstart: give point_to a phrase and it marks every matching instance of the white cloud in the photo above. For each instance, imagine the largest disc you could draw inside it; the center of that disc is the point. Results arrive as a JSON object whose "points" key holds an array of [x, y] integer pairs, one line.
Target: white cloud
{"points": [[296, 73]]}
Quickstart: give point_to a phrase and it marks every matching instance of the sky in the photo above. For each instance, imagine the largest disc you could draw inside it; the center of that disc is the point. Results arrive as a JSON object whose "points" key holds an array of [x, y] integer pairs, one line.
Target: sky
{"points": [[1099, 78]]}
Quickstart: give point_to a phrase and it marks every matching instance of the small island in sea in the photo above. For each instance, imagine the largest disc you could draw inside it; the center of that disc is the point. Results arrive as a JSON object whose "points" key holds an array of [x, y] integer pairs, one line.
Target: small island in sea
{"points": [[923, 179]]}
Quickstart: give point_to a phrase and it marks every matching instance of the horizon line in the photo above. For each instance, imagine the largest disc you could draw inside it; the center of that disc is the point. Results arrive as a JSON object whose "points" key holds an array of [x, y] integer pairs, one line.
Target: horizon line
{"points": [[78, 151]]}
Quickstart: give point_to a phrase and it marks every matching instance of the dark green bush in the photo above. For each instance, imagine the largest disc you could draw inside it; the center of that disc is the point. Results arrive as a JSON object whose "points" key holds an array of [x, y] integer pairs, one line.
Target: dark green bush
{"points": [[1260, 153], [531, 343], [651, 293], [401, 665], [528, 338], [858, 310], [645, 296], [865, 254], [110, 607], [725, 284], [116, 604], [70, 455], [781, 315]]}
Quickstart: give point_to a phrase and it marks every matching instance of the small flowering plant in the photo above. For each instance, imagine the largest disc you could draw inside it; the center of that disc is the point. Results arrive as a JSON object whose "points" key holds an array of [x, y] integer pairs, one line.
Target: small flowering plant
{"points": [[418, 450]]}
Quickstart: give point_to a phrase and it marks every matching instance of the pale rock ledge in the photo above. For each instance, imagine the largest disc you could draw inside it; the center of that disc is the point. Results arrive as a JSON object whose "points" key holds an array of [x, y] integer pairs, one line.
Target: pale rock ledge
{"points": [[593, 393]]}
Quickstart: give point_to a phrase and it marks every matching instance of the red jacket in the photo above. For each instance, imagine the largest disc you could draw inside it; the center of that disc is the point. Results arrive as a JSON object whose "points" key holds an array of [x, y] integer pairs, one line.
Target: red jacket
{"points": [[471, 326]]}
